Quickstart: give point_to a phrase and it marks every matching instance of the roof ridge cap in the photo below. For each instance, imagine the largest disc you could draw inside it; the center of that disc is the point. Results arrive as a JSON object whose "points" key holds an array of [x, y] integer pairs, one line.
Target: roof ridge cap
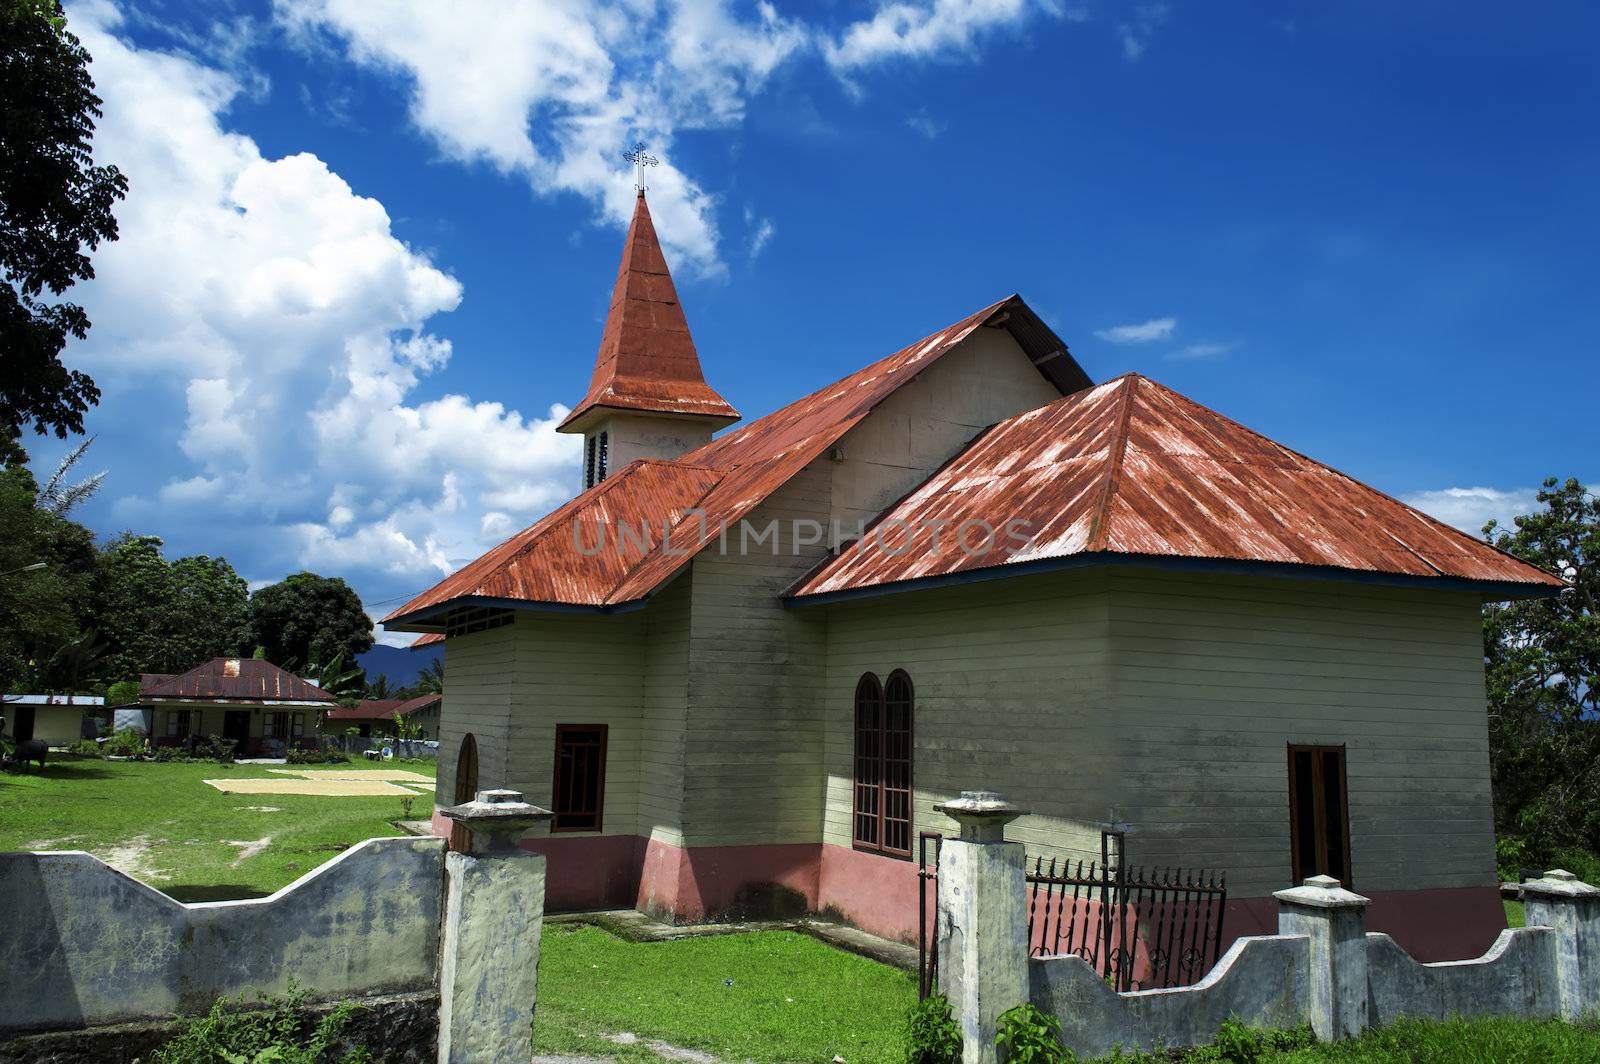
{"points": [[1114, 457]]}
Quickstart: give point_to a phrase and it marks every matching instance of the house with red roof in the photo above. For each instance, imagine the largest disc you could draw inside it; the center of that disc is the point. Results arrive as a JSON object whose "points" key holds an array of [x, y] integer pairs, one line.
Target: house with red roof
{"points": [[264, 709], [375, 716], [746, 664]]}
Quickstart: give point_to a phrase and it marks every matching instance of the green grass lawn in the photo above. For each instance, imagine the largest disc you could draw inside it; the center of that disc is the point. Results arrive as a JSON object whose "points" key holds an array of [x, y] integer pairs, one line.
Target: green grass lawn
{"points": [[792, 998], [1486, 1041], [1516, 915], [159, 822]]}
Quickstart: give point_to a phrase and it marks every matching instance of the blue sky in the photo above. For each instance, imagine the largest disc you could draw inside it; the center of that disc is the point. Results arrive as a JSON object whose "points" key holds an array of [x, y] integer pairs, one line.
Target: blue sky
{"points": [[369, 244]]}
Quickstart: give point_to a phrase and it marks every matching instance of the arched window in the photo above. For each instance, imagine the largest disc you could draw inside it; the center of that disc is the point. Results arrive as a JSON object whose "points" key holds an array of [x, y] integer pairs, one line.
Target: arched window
{"points": [[882, 813], [466, 790]]}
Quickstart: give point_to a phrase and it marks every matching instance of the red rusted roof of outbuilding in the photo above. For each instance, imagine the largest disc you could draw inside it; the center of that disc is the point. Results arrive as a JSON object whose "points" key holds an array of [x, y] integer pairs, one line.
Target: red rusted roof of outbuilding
{"points": [[427, 639], [696, 495], [384, 708], [1133, 470], [233, 680], [647, 358]]}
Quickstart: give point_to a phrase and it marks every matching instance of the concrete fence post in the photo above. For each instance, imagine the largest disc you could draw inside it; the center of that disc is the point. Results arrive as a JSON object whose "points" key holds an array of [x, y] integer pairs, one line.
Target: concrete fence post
{"points": [[1336, 922], [494, 908], [1561, 900], [983, 920]]}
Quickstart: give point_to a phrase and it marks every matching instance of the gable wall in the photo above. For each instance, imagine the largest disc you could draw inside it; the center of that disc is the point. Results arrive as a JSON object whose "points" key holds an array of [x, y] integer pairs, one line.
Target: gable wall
{"points": [[478, 700], [985, 379], [753, 737], [1007, 676], [1169, 700], [573, 668], [1213, 677]]}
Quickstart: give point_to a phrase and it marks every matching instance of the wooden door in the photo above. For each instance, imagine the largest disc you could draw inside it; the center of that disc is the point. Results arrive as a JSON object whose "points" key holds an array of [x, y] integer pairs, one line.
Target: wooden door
{"points": [[466, 790]]}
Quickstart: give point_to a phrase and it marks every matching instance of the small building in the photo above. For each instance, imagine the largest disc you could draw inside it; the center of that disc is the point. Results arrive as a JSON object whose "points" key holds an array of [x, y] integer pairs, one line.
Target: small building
{"points": [[59, 720], [264, 709], [747, 668], [375, 716]]}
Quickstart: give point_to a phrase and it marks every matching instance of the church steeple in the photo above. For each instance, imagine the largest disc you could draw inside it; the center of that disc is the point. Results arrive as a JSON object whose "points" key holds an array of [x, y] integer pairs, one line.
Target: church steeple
{"points": [[647, 397]]}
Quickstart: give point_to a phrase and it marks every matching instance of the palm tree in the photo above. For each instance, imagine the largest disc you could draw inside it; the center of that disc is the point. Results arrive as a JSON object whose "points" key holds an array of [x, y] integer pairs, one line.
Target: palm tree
{"points": [[430, 681], [58, 497]]}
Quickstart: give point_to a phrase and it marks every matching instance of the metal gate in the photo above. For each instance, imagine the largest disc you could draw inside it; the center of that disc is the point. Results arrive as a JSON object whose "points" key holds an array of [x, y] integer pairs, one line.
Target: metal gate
{"points": [[1139, 929]]}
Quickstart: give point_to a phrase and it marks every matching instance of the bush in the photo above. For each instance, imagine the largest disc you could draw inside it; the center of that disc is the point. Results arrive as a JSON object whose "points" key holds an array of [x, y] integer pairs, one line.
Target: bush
{"points": [[1027, 1036], [122, 693], [85, 748], [315, 757], [214, 748], [272, 1030], [932, 1034], [124, 743]]}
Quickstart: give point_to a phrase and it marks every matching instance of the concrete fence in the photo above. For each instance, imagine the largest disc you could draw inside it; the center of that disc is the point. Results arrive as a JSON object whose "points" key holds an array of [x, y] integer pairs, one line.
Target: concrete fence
{"points": [[1322, 968], [396, 924]]}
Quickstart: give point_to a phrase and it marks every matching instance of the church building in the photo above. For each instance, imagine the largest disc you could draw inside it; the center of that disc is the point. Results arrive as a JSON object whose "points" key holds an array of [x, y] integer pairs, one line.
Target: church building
{"points": [[745, 663]]}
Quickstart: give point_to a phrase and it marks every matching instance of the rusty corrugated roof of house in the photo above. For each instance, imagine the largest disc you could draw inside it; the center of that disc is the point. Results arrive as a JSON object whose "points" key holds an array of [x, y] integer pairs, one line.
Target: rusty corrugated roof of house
{"points": [[647, 359], [233, 680], [384, 708], [427, 639], [1133, 471], [555, 562]]}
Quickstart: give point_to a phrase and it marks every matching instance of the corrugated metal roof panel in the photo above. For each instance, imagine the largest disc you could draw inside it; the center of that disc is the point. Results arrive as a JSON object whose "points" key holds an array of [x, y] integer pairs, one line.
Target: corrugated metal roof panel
{"points": [[234, 679], [723, 481], [1134, 468]]}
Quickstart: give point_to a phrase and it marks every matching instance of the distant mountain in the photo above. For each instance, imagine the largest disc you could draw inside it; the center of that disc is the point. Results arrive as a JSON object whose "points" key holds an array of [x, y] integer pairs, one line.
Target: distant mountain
{"points": [[402, 666]]}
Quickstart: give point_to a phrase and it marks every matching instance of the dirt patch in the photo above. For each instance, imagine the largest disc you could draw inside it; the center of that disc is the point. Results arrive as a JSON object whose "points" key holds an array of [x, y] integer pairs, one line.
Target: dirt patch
{"points": [[248, 850], [50, 844], [262, 808], [324, 788], [395, 774], [131, 858]]}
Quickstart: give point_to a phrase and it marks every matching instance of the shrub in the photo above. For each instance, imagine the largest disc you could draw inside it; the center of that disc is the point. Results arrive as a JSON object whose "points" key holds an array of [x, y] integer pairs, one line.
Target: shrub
{"points": [[1027, 1036], [315, 757], [85, 748], [124, 743], [216, 749], [122, 693], [932, 1034], [271, 1030]]}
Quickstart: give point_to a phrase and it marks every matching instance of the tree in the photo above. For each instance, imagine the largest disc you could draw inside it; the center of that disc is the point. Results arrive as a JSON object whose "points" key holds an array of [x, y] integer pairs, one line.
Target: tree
{"points": [[162, 616], [1542, 661], [55, 205], [379, 689], [308, 618], [430, 681], [46, 577]]}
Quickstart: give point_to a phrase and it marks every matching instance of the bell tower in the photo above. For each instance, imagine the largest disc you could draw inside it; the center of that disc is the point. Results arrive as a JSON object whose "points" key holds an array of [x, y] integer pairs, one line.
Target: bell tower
{"points": [[647, 397]]}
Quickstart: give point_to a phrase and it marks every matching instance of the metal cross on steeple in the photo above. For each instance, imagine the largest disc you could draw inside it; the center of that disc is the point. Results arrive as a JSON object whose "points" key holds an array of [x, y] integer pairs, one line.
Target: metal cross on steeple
{"points": [[640, 159]]}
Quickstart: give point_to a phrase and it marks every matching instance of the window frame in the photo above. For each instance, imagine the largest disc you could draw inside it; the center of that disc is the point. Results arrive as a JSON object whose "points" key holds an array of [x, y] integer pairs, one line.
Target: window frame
{"points": [[879, 691], [600, 787], [588, 463], [1319, 795], [603, 458]]}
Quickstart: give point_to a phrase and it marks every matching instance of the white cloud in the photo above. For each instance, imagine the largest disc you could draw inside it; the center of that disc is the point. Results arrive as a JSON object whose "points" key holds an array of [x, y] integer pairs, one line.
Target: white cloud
{"points": [[1469, 509], [1135, 33], [276, 305], [933, 29], [1142, 333], [924, 124], [549, 91], [764, 232], [1200, 351]]}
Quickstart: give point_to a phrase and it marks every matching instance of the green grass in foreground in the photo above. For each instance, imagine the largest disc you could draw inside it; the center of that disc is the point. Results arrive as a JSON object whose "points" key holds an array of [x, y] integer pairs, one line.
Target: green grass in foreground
{"points": [[1516, 915], [792, 998], [160, 823], [1484, 1041]]}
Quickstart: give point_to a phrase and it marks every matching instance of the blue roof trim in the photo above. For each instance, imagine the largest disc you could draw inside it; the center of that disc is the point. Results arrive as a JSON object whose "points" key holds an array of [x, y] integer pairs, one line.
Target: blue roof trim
{"points": [[1491, 590]]}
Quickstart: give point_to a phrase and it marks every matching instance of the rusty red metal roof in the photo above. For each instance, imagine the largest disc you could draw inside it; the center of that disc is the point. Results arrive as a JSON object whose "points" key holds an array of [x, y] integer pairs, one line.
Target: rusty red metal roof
{"points": [[233, 680], [554, 562], [427, 639], [384, 708], [647, 358], [1133, 470]]}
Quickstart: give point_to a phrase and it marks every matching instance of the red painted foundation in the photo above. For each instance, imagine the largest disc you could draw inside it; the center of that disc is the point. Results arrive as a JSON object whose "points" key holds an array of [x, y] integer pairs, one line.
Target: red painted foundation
{"points": [[879, 894], [1449, 924]]}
